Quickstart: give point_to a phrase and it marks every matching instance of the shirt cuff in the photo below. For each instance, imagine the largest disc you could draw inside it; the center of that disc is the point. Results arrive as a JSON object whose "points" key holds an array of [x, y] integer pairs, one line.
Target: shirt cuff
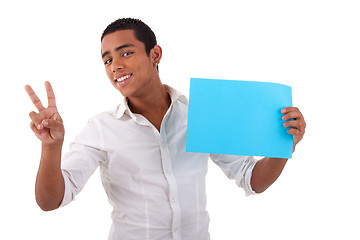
{"points": [[68, 196], [246, 181]]}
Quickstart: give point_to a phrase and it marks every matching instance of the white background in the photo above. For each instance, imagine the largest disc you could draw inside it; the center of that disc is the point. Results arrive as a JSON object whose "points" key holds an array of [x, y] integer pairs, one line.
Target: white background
{"points": [[311, 45]]}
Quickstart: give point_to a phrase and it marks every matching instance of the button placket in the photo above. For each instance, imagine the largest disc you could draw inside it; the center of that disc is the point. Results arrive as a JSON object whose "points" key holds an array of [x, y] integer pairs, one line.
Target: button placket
{"points": [[168, 172]]}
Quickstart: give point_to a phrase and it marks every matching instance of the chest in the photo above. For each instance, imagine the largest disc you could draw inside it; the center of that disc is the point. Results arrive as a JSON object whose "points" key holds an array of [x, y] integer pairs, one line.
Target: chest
{"points": [[137, 150]]}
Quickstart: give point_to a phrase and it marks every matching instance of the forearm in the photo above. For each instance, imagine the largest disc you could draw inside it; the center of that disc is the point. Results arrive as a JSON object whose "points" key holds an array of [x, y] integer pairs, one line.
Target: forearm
{"points": [[49, 187], [265, 173]]}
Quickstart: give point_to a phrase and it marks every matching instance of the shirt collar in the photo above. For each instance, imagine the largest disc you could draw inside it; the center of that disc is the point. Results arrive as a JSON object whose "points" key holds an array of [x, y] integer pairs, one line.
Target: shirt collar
{"points": [[123, 107]]}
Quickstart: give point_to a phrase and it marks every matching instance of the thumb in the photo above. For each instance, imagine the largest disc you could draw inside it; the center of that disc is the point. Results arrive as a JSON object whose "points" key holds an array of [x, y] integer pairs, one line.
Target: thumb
{"points": [[56, 128], [56, 117]]}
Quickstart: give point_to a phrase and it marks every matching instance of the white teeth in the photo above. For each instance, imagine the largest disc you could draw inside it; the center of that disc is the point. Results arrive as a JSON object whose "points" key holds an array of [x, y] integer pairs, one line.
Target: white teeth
{"points": [[123, 78]]}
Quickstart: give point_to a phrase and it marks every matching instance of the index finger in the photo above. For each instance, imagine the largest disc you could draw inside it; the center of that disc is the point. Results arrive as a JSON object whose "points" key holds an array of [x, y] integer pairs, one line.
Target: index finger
{"points": [[50, 95], [34, 98], [289, 109]]}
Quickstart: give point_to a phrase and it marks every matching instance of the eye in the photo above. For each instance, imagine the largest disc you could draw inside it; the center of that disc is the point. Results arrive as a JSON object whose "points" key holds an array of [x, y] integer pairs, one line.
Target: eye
{"points": [[127, 54], [107, 61]]}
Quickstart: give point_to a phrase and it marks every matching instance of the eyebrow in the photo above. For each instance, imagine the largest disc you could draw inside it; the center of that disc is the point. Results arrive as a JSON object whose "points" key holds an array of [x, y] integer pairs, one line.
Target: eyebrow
{"points": [[117, 49]]}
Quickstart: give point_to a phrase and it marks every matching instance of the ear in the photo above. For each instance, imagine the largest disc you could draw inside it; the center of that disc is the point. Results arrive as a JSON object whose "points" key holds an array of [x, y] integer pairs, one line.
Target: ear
{"points": [[156, 54]]}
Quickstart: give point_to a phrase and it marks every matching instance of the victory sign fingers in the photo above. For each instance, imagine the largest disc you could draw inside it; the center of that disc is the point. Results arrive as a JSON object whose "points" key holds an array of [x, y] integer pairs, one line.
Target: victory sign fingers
{"points": [[47, 124], [35, 99]]}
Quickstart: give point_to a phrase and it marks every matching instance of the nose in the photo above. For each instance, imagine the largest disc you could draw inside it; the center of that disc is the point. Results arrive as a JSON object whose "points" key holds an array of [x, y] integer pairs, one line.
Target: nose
{"points": [[116, 64]]}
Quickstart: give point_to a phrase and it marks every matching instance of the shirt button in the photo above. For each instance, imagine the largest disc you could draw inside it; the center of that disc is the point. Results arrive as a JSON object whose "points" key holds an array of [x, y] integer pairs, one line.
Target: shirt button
{"points": [[174, 200], [175, 229]]}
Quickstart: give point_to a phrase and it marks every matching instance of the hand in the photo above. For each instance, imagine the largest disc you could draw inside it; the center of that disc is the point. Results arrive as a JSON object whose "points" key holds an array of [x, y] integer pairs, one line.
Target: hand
{"points": [[47, 125], [297, 123]]}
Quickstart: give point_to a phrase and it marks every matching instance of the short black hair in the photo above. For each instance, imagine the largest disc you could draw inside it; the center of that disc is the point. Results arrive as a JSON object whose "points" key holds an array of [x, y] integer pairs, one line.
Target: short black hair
{"points": [[142, 32]]}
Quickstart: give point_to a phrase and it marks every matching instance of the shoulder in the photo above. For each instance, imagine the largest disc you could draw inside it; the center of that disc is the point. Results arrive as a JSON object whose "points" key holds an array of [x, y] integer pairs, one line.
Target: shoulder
{"points": [[176, 95], [103, 116], [97, 120]]}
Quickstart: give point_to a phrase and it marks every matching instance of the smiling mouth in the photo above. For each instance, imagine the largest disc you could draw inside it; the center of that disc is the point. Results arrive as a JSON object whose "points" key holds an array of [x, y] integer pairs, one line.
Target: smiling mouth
{"points": [[123, 78]]}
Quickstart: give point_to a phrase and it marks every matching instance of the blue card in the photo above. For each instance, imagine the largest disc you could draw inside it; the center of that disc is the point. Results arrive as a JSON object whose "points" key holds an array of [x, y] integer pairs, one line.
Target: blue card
{"points": [[238, 118]]}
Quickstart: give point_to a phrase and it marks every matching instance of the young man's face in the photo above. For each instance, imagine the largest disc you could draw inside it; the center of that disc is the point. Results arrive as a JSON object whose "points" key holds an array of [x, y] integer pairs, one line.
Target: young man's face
{"points": [[127, 65]]}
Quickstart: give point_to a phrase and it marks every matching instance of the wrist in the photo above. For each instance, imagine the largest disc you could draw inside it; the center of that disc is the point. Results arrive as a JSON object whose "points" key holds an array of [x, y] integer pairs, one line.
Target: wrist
{"points": [[53, 145]]}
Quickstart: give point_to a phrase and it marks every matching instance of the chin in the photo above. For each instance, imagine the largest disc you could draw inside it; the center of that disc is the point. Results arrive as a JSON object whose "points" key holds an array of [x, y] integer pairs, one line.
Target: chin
{"points": [[124, 92]]}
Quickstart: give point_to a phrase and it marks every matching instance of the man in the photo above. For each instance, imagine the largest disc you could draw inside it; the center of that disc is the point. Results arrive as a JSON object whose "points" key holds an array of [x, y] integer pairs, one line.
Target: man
{"points": [[156, 188]]}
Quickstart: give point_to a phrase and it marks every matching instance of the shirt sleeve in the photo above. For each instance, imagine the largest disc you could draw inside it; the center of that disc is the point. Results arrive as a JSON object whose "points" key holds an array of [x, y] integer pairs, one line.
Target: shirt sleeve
{"points": [[237, 167], [80, 162]]}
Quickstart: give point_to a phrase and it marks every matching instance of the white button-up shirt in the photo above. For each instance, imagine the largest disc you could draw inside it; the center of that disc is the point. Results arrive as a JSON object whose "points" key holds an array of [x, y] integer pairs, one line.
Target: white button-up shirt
{"points": [[156, 188]]}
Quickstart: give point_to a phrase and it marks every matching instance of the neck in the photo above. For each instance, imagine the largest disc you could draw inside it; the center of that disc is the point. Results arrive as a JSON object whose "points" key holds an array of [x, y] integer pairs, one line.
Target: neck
{"points": [[155, 101]]}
